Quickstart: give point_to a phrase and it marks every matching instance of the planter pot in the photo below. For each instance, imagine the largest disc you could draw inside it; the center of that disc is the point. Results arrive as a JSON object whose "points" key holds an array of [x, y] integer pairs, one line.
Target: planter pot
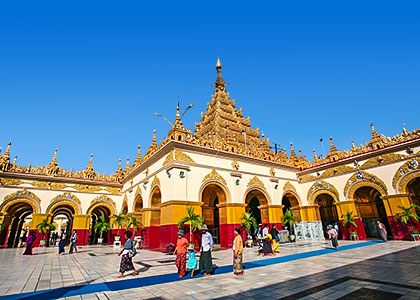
{"points": [[353, 233], [117, 237], [414, 231], [249, 243], [42, 243], [100, 240], [192, 244]]}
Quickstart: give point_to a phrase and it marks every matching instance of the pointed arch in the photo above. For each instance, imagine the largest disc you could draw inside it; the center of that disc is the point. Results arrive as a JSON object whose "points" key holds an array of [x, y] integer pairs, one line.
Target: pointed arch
{"points": [[21, 196]]}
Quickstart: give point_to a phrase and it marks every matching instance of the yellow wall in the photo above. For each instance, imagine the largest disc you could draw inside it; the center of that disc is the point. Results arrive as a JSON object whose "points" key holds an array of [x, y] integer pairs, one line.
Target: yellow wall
{"points": [[392, 202], [309, 213]]}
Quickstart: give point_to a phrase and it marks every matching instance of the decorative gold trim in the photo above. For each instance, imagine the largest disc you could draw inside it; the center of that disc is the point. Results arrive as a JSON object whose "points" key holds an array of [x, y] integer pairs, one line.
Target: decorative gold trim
{"points": [[10, 181], [169, 157], [48, 185], [235, 165], [155, 181], [289, 186], [21, 195], [319, 187], [407, 168], [255, 181], [68, 196], [86, 187], [272, 172], [402, 184], [363, 178], [179, 155], [337, 171], [113, 190], [306, 178], [213, 175], [377, 160]]}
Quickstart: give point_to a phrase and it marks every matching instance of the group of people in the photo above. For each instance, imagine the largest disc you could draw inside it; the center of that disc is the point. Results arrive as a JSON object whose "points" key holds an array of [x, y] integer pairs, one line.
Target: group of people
{"points": [[30, 242], [268, 240]]}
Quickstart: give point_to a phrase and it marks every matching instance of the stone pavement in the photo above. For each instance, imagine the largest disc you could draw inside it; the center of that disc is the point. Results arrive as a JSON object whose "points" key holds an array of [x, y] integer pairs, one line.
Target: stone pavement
{"points": [[383, 270]]}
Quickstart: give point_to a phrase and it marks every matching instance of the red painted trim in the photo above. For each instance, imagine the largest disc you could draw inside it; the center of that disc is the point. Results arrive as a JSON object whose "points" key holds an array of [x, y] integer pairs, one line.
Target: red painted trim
{"points": [[399, 230]]}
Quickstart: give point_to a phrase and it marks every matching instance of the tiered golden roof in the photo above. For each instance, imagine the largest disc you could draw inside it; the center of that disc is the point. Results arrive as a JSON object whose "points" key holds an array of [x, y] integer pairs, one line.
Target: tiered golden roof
{"points": [[221, 127]]}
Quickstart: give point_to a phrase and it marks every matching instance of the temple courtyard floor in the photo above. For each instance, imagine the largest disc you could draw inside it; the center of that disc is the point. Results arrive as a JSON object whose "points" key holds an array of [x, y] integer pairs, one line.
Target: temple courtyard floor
{"points": [[304, 270]]}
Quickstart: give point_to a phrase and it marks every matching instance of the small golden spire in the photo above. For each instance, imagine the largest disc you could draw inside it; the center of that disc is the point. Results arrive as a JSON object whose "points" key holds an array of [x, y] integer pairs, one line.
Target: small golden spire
{"points": [[118, 173], [375, 135], [332, 148], [292, 151], [315, 157], [54, 159], [119, 169], [14, 161], [138, 157], [300, 154], [127, 166], [89, 166], [7, 152], [218, 64]]}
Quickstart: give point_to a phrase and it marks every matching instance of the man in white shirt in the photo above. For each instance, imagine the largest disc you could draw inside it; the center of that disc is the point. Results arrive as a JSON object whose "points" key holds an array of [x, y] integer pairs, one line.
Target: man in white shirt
{"points": [[206, 262], [332, 234]]}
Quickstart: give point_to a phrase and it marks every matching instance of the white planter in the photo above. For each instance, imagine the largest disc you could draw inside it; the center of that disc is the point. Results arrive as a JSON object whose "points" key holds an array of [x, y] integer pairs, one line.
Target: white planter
{"points": [[117, 237], [100, 240], [42, 243], [249, 243]]}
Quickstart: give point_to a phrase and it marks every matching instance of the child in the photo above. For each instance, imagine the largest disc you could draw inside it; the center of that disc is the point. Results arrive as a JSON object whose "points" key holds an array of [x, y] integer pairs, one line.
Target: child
{"points": [[192, 261]]}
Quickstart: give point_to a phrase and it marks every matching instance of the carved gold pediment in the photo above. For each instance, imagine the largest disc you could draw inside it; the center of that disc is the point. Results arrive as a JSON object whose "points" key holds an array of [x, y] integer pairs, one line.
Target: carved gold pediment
{"points": [[255, 181], [213, 175], [155, 181], [289, 186], [86, 188], [47, 185], [66, 195], [321, 185], [113, 190], [10, 181]]}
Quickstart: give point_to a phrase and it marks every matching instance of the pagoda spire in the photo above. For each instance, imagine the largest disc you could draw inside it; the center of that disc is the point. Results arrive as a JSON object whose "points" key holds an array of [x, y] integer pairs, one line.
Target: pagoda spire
{"points": [[118, 173], [375, 135], [292, 151], [315, 157], [5, 159], [89, 173], [138, 157], [154, 143], [54, 159], [7, 152], [220, 83], [300, 154], [53, 168], [332, 147], [127, 166]]}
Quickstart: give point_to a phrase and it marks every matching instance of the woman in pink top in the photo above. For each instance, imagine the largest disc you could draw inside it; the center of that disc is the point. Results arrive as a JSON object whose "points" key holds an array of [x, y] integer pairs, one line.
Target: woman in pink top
{"points": [[181, 253]]}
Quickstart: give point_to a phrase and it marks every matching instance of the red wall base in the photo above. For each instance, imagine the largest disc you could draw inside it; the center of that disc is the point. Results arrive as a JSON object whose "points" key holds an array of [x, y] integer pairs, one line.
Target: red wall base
{"points": [[82, 237], [399, 230], [360, 230]]}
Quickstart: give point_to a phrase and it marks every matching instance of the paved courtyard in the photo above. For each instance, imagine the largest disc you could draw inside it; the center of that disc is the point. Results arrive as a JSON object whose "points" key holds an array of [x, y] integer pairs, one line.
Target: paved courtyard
{"points": [[305, 270]]}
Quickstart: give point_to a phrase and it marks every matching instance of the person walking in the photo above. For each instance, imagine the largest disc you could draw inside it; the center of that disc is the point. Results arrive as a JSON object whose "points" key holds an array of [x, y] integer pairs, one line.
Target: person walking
{"points": [[192, 262], [382, 231], [332, 234], [275, 238], [73, 241], [206, 262], [126, 263], [238, 250], [62, 243], [259, 237], [30, 243], [267, 249], [181, 253]]}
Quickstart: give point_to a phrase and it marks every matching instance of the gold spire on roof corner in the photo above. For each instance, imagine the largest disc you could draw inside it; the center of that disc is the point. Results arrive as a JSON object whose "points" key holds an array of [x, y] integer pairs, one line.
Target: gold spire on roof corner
{"points": [[315, 157], [332, 147], [292, 151], [138, 157], [89, 173], [52, 167], [220, 83], [7, 152], [375, 135], [5, 159], [119, 173], [127, 166], [300, 154]]}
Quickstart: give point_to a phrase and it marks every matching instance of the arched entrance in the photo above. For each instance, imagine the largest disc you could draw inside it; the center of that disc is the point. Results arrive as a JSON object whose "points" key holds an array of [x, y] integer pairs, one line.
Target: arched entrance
{"points": [[256, 204], [155, 201], [288, 201], [15, 224], [96, 213], [327, 212], [212, 195], [63, 216], [371, 208], [413, 190]]}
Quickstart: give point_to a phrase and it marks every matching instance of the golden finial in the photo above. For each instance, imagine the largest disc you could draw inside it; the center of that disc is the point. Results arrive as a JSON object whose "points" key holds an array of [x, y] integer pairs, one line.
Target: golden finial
{"points": [[315, 157], [14, 161], [138, 157], [7, 152], [375, 135], [300, 154], [292, 151], [218, 64], [332, 148], [127, 166]]}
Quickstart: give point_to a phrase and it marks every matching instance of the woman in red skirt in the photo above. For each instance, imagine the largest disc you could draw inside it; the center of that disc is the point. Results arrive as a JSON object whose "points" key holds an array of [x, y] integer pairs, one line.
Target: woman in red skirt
{"points": [[181, 253]]}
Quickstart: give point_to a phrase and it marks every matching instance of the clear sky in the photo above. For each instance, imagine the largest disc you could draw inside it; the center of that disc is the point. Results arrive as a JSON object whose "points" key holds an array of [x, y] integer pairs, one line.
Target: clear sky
{"points": [[86, 77]]}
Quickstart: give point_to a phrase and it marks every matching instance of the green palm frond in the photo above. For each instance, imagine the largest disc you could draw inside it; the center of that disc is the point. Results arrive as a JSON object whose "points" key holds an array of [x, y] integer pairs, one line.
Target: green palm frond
{"points": [[349, 219], [408, 215], [289, 219], [196, 221], [248, 221], [102, 226]]}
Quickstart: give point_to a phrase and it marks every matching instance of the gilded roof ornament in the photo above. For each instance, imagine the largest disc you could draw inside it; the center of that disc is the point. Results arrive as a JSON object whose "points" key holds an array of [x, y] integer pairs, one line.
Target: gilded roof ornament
{"points": [[119, 173], [255, 181], [289, 186], [52, 167], [292, 151], [213, 175], [5, 159], [138, 158], [89, 173], [155, 181]]}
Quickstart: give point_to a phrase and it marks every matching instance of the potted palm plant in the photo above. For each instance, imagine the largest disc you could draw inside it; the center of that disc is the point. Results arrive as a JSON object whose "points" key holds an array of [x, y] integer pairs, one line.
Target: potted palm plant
{"points": [[248, 222], [290, 220], [349, 221], [119, 221], [102, 226], [136, 225], [408, 217], [196, 221], [43, 228]]}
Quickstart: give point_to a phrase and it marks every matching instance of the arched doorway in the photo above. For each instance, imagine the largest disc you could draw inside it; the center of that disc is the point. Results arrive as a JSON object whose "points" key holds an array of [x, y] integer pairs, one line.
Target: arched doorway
{"points": [[155, 201], [96, 213], [62, 216], [371, 208], [413, 190], [256, 204], [288, 201], [212, 195], [15, 224], [327, 212]]}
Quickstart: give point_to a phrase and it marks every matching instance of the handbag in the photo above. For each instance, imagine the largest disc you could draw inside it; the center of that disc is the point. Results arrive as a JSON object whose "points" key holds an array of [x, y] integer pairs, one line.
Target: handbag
{"points": [[132, 252]]}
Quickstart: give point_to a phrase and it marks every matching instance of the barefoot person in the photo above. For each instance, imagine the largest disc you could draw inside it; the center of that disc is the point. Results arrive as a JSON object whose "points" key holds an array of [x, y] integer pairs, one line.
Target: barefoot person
{"points": [[206, 262], [181, 253], [126, 263], [30, 243], [382, 231], [73, 241], [238, 250], [332, 234]]}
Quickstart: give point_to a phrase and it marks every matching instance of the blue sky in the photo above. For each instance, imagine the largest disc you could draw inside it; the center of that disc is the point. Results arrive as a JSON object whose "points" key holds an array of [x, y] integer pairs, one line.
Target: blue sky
{"points": [[86, 77]]}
